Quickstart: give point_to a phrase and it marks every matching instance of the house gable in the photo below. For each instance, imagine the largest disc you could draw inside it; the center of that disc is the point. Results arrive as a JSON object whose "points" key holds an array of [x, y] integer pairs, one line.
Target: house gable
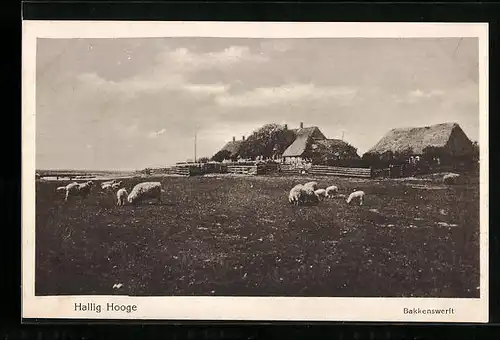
{"points": [[458, 143], [299, 145]]}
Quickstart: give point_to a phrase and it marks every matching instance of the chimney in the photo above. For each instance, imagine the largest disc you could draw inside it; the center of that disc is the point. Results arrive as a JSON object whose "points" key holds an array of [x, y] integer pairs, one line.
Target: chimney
{"points": [[301, 125], [234, 139], [243, 138]]}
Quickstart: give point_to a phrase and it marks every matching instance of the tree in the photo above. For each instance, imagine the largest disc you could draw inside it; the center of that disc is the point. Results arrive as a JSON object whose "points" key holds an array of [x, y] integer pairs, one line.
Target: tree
{"points": [[221, 155], [267, 141], [203, 160]]}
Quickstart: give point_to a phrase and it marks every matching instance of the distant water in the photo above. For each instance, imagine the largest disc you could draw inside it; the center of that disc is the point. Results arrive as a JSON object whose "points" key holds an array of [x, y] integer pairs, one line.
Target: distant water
{"points": [[103, 177]]}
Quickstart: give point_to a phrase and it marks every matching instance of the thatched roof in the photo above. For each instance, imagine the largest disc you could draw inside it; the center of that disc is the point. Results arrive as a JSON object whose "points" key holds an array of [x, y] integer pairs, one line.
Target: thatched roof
{"points": [[335, 148], [333, 143], [416, 139], [233, 147], [297, 148]]}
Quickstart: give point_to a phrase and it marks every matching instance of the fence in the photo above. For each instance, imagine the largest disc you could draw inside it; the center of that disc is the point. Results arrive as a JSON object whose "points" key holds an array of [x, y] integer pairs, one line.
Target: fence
{"points": [[193, 169], [289, 169], [247, 169], [340, 171]]}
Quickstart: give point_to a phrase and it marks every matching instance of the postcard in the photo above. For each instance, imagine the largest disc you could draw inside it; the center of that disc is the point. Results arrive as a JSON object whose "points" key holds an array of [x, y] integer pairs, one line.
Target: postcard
{"points": [[251, 171]]}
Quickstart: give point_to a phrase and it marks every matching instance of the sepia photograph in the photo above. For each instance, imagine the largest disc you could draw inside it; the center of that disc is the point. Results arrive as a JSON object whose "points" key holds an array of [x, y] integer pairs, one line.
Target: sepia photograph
{"points": [[255, 171]]}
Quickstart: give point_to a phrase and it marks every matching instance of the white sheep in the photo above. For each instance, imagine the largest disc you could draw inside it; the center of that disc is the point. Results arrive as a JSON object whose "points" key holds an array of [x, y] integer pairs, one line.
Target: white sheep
{"points": [[450, 178], [106, 187], [78, 189], [295, 195], [312, 185], [321, 193], [145, 190], [331, 191], [121, 196], [358, 194], [116, 185], [107, 184]]}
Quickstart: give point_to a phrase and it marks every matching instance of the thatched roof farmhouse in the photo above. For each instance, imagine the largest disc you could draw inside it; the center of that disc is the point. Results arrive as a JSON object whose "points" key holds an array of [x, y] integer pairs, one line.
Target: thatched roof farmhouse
{"points": [[446, 139], [308, 142]]}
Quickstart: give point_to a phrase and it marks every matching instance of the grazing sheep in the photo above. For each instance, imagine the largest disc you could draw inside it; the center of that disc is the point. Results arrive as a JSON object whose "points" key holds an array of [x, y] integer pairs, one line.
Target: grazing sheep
{"points": [[106, 187], [116, 185], [321, 193], [450, 178], [356, 195], [312, 185], [295, 195], [145, 190], [121, 196], [107, 184], [78, 189], [331, 191], [308, 195]]}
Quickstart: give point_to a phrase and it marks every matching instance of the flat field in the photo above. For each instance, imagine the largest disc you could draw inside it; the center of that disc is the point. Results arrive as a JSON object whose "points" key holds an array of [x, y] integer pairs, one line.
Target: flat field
{"points": [[239, 236]]}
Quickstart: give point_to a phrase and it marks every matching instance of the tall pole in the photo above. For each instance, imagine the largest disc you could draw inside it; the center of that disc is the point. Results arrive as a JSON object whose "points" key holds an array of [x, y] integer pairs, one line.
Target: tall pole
{"points": [[342, 134], [195, 144]]}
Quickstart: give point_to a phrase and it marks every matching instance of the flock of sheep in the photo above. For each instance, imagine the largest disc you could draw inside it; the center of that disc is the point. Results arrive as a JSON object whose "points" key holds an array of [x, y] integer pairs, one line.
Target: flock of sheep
{"points": [[309, 193], [299, 194], [140, 192]]}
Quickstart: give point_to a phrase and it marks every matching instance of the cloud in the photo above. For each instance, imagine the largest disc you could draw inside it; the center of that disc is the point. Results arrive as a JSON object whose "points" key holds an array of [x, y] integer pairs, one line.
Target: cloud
{"points": [[172, 72], [421, 94], [287, 93], [418, 95], [155, 134], [206, 88], [145, 84], [192, 61], [276, 45]]}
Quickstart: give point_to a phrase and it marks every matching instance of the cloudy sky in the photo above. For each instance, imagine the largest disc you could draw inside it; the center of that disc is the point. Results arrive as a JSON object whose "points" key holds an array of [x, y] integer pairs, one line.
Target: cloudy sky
{"points": [[135, 103]]}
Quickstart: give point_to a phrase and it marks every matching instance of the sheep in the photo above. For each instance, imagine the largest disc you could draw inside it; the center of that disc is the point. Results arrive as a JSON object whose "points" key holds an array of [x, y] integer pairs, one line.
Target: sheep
{"points": [[450, 178], [78, 189], [295, 195], [64, 188], [145, 190], [312, 185], [106, 187], [331, 191], [358, 194], [121, 196], [321, 193], [107, 184], [116, 185]]}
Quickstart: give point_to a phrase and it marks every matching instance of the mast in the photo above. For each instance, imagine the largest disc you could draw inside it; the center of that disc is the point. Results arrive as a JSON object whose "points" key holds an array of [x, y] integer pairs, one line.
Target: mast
{"points": [[195, 144]]}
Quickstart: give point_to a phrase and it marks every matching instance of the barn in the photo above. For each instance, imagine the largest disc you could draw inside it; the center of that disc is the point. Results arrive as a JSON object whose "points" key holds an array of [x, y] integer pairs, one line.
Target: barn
{"points": [[440, 144]]}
